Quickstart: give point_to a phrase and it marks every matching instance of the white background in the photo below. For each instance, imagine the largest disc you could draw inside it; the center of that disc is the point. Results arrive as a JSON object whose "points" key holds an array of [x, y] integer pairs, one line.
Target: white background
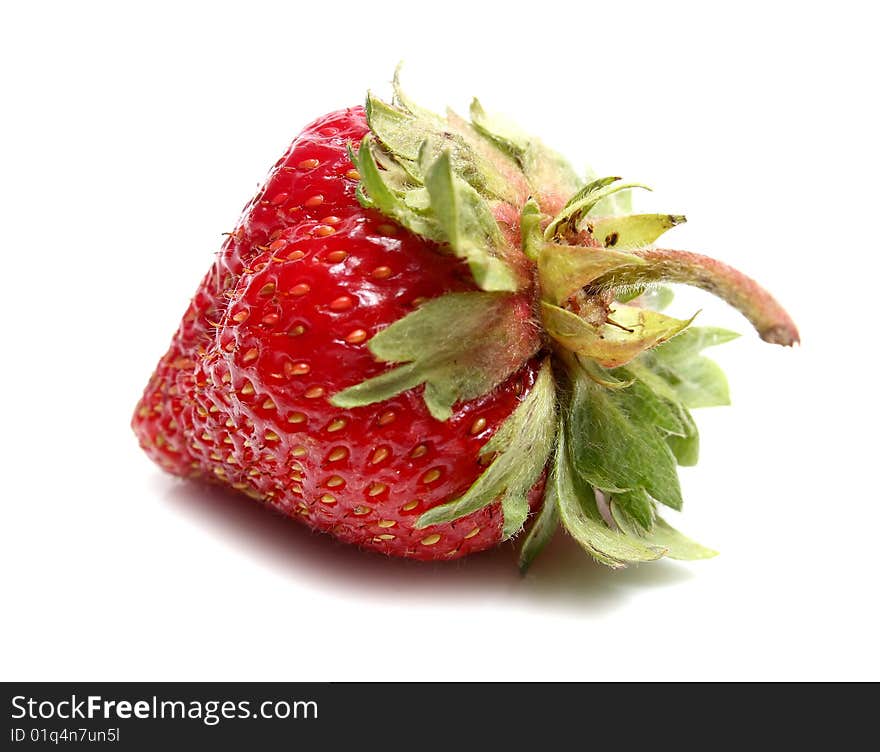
{"points": [[132, 137]]}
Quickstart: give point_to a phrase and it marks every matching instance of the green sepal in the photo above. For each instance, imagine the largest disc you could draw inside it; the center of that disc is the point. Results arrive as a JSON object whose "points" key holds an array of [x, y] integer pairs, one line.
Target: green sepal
{"points": [[406, 136], [492, 172], [695, 380], [508, 136], [657, 297], [467, 225], [603, 376], [628, 295], [564, 269], [542, 531], [530, 233], [630, 332], [616, 204], [446, 210], [659, 412], [662, 535], [459, 346], [660, 399], [677, 545], [686, 448], [375, 191], [403, 126], [443, 180], [399, 132], [548, 172], [583, 202], [635, 534], [697, 339], [545, 170], [616, 445], [520, 448], [401, 100], [702, 383], [631, 230], [636, 507], [583, 521]]}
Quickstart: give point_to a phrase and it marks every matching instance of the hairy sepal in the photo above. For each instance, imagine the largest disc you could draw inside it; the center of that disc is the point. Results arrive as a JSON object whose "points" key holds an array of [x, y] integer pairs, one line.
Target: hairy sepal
{"points": [[625, 333], [630, 230], [467, 225], [399, 131], [611, 447], [582, 519], [460, 346], [616, 445], [446, 179], [530, 233], [548, 174], [520, 449], [613, 205], [564, 269], [678, 371], [635, 507], [404, 129], [686, 448], [542, 531], [496, 174], [662, 535], [439, 206], [676, 545], [387, 190], [582, 203]]}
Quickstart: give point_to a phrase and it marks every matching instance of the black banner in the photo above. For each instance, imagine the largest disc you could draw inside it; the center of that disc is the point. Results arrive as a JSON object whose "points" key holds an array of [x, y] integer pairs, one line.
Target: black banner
{"points": [[135, 716]]}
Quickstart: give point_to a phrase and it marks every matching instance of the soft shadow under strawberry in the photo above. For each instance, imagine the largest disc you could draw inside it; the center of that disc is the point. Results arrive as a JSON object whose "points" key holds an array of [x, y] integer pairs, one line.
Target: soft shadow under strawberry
{"points": [[563, 580]]}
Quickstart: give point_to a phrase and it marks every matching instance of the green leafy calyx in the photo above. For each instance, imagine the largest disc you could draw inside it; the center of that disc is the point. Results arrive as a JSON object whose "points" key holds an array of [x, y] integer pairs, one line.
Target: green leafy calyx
{"points": [[562, 269], [427, 346], [519, 450]]}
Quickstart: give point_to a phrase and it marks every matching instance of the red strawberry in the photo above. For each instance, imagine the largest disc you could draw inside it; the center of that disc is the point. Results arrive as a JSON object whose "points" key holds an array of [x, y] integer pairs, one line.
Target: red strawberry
{"points": [[279, 325], [277, 384]]}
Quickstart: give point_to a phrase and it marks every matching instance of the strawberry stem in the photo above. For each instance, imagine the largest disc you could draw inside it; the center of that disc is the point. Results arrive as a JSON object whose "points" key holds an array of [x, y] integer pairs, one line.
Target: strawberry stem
{"points": [[769, 318]]}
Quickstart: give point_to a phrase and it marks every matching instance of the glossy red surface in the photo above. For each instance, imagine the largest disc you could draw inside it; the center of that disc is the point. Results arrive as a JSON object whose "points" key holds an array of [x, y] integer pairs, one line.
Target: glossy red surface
{"points": [[279, 324]]}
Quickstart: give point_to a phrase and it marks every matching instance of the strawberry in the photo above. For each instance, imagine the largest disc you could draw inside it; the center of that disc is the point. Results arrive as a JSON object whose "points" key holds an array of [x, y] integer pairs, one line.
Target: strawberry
{"points": [[423, 329]]}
